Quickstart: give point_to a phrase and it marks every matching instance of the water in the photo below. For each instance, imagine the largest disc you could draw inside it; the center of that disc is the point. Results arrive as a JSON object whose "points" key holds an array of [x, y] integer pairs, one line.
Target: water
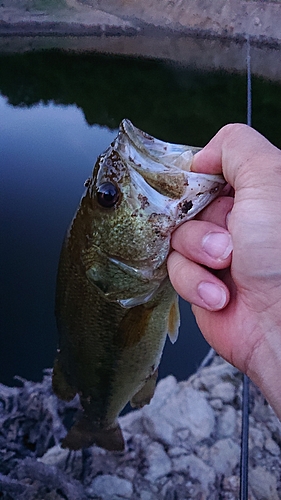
{"points": [[57, 113]]}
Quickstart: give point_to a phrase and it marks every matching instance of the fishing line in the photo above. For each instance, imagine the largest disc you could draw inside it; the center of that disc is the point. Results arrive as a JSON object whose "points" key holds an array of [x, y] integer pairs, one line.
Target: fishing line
{"points": [[244, 458]]}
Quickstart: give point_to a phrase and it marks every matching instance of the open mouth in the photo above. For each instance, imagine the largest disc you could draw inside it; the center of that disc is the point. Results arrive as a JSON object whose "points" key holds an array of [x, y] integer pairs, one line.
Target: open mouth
{"points": [[164, 154], [166, 168]]}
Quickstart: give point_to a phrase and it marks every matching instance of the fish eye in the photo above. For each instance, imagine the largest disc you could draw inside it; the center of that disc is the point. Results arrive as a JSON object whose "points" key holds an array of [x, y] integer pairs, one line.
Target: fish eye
{"points": [[107, 194]]}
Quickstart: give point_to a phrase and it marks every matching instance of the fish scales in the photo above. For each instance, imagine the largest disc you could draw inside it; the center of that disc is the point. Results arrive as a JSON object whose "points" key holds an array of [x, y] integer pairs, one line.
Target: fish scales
{"points": [[114, 301]]}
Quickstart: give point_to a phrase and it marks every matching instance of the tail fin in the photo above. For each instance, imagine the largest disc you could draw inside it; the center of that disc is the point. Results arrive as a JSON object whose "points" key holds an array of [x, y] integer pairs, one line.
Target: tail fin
{"points": [[83, 434]]}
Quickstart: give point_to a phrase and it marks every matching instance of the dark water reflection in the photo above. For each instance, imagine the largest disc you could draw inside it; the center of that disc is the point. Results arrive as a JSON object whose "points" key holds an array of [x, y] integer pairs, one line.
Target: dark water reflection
{"points": [[57, 113]]}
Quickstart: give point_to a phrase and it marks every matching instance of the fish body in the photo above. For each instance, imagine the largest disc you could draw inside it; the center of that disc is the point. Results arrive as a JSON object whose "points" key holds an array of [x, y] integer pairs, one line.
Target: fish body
{"points": [[114, 301]]}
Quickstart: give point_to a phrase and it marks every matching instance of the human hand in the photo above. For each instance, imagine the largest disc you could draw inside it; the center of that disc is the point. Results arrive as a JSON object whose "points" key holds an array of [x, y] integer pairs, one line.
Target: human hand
{"points": [[237, 306]]}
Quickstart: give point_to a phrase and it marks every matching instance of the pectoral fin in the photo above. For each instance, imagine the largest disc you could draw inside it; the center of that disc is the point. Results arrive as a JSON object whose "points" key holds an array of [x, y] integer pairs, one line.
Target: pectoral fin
{"points": [[133, 326], [174, 320], [145, 394], [83, 434]]}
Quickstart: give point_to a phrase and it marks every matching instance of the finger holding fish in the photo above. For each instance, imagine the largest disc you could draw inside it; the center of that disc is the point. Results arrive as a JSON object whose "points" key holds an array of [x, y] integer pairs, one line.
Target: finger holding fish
{"points": [[195, 284], [217, 211], [204, 243]]}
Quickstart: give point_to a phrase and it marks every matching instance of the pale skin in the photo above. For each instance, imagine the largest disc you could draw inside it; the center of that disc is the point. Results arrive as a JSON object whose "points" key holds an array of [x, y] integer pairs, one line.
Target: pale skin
{"points": [[237, 301]]}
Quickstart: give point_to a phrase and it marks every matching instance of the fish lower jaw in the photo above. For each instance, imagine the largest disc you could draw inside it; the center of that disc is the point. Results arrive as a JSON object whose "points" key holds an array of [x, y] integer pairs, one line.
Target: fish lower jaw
{"points": [[191, 204]]}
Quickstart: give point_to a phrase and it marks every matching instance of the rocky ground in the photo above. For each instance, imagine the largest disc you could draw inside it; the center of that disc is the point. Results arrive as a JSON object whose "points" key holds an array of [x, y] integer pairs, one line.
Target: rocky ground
{"points": [[259, 19], [185, 444]]}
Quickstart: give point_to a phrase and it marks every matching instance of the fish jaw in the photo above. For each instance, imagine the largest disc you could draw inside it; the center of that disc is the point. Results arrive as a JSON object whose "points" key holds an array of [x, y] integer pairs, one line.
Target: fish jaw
{"points": [[165, 167]]}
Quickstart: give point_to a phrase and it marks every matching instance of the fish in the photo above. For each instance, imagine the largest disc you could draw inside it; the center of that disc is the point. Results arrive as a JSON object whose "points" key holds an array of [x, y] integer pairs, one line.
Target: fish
{"points": [[115, 304]]}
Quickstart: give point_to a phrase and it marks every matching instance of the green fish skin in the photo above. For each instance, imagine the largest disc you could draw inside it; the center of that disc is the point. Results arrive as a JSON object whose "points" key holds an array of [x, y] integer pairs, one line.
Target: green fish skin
{"points": [[114, 301]]}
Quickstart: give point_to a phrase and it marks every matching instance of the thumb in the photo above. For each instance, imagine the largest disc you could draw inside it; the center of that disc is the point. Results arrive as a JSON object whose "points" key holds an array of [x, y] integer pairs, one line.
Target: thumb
{"points": [[237, 149]]}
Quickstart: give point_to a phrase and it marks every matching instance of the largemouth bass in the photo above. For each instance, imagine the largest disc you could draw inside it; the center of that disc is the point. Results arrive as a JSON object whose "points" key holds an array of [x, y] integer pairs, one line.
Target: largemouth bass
{"points": [[114, 301]]}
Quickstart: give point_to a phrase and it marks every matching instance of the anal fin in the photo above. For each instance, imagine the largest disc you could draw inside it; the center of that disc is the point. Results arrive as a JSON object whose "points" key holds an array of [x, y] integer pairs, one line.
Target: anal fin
{"points": [[145, 394]]}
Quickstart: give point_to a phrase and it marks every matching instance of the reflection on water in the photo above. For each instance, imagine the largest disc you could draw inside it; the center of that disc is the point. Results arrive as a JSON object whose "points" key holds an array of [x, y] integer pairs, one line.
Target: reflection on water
{"points": [[48, 150], [170, 102]]}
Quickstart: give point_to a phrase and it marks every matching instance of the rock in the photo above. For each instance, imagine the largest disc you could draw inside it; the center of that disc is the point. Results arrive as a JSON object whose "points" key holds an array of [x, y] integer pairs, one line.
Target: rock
{"points": [[183, 437], [196, 468], [224, 391], [263, 484], [164, 432], [232, 483], [146, 495], [129, 473], [131, 423], [197, 413], [159, 464], [224, 455], [177, 447], [227, 422], [212, 375], [55, 456], [110, 487], [164, 389], [187, 409], [177, 451], [272, 447], [256, 438], [181, 463], [216, 404]]}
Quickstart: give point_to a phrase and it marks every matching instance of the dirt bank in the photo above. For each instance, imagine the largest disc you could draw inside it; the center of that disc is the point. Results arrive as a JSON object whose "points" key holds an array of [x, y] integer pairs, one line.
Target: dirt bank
{"points": [[205, 34], [259, 19]]}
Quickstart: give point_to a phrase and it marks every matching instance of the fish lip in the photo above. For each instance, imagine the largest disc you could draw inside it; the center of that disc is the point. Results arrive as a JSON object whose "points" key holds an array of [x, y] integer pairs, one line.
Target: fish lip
{"points": [[189, 206], [162, 154], [146, 154], [159, 162]]}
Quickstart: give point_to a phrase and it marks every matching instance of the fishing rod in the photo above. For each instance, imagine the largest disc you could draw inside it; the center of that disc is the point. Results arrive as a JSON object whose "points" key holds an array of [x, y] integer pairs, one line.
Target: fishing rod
{"points": [[244, 457]]}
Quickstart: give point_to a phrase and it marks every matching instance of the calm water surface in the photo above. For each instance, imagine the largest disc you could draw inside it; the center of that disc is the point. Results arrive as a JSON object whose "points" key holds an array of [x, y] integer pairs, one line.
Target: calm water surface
{"points": [[47, 152], [57, 114]]}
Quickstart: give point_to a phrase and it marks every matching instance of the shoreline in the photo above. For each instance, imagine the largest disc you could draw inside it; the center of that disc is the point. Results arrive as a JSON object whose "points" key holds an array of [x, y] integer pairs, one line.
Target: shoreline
{"points": [[174, 35], [259, 20], [202, 51]]}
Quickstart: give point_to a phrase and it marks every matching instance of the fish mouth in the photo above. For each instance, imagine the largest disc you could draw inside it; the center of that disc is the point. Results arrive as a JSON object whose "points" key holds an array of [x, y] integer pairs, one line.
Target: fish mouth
{"points": [[164, 154], [165, 167]]}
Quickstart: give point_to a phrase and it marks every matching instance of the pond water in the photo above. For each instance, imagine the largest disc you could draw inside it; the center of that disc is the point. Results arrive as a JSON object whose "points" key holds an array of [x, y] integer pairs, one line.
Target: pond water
{"points": [[58, 112]]}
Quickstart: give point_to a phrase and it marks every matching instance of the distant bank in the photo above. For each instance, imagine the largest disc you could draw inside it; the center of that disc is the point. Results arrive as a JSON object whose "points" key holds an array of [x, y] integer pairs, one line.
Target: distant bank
{"points": [[175, 32]]}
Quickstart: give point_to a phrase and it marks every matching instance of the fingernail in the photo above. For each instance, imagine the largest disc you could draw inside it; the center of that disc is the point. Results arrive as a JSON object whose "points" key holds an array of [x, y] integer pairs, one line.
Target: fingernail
{"points": [[217, 245], [213, 295]]}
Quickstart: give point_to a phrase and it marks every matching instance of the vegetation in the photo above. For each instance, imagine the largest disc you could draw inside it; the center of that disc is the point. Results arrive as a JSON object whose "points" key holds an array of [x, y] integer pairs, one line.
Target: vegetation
{"points": [[34, 5], [171, 102]]}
